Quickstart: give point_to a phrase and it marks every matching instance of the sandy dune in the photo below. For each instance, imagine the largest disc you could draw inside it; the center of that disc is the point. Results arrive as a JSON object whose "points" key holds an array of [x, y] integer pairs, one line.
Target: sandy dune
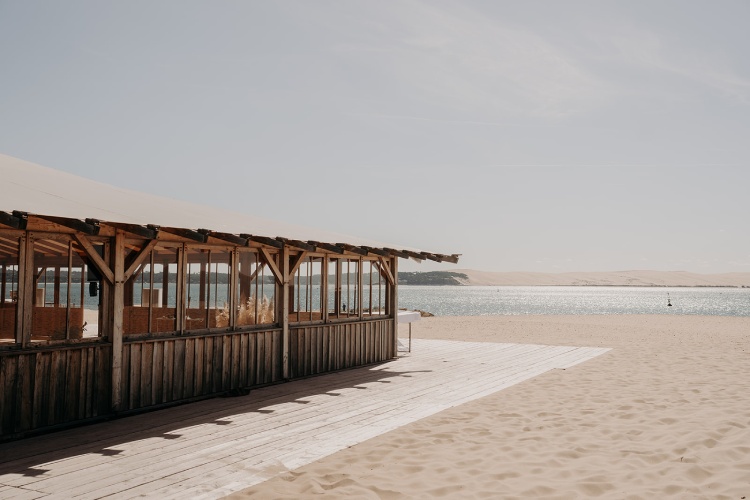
{"points": [[617, 278], [664, 414]]}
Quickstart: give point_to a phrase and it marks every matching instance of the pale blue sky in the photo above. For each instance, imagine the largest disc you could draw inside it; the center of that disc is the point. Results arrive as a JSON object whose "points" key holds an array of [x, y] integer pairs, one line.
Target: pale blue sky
{"points": [[528, 136]]}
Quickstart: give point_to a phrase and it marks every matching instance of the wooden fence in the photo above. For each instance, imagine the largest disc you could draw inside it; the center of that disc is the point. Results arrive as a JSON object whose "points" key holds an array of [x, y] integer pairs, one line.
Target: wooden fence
{"points": [[335, 346], [52, 386], [156, 372]]}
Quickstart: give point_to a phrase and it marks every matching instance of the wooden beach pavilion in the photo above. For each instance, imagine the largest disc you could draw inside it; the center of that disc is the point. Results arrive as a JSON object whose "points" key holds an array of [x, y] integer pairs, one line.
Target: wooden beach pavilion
{"points": [[115, 302]]}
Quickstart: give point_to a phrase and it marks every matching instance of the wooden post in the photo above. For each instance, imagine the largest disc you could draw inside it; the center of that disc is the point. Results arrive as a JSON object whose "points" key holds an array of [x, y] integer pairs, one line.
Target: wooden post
{"points": [[2, 284], [25, 279], [324, 288], [117, 307], [234, 267], [394, 304], [105, 298], [360, 288], [285, 344], [182, 284]]}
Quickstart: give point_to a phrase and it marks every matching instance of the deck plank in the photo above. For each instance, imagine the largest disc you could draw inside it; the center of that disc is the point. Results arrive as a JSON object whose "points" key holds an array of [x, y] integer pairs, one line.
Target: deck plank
{"points": [[211, 448]]}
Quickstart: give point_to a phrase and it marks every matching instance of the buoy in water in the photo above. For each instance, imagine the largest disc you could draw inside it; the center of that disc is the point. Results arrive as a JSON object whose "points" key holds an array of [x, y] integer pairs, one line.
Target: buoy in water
{"points": [[669, 302]]}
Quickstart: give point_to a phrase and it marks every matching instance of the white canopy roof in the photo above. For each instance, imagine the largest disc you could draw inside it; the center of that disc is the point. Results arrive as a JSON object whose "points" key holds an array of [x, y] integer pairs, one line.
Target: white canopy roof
{"points": [[37, 190]]}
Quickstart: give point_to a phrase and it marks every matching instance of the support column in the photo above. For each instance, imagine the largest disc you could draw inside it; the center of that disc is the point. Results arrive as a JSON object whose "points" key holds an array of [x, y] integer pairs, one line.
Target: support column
{"points": [[324, 288], [26, 286], [116, 305], [394, 304], [285, 343]]}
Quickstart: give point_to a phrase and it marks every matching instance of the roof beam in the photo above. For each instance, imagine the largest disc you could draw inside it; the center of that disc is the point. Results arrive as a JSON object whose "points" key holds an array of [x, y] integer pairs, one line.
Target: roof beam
{"points": [[327, 246], [274, 268], [13, 221], [453, 258], [228, 237], [414, 255], [96, 259], [185, 233], [400, 253], [139, 258], [263, 240], [296, 264], [141, 231], [75, 224], [377, 251], [297, 244], [385, 271], [431, 256], [353, 249]]}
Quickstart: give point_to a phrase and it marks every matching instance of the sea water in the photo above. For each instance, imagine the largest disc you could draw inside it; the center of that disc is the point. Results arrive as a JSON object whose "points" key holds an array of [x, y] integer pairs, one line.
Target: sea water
{"points": [[515, 300], [518, 300]]}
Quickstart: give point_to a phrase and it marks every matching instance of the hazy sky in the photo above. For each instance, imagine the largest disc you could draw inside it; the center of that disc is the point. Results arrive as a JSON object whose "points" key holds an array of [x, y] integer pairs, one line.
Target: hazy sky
{"points": [[528, 136]]}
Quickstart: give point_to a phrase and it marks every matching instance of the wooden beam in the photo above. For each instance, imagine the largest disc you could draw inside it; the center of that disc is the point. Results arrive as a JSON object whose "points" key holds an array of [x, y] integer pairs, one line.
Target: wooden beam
{"points": [[12, 221], [185, 233], [414, 255], [263, 240], [274, 268], [296, 264], [328, 247], [353, 249], [394, 312], [399, 253], [25, 307], [383, 266], [75, 224], [431, 256], [141, 231], [297, 244], [142, 255], [377, 251], [453, 258], [231, 238], [116, 305], [95, 258], [285, 336]]}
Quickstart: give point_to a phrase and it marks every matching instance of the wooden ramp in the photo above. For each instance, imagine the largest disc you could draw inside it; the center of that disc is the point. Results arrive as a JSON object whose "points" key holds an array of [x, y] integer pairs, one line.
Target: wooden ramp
{"points": [[215, 447]]}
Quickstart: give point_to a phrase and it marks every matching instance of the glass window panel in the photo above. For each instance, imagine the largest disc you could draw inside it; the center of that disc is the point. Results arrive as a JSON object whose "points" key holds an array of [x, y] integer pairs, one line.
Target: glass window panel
{"points": [[66, 298], [373, 285], [151, 294], [344, 299], [8, 287], [196, 289], [307, 296], [333, 289], [218, 293], [350, 288], [256, 291]]}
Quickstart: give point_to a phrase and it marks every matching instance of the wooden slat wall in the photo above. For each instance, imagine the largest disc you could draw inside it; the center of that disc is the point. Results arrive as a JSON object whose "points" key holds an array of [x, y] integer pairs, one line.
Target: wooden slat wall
{"points": [[161, 371], [49, 387], [323, 348]]}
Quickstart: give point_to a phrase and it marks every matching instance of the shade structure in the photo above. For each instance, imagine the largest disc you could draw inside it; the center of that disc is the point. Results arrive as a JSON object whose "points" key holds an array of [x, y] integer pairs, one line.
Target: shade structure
{"points": [[28, 188]]}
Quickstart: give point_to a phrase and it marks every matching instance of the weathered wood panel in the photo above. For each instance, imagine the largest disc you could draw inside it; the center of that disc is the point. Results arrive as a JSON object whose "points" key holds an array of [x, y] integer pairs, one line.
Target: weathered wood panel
{"points": [[42, 388], [159, 371], [324, 348]]}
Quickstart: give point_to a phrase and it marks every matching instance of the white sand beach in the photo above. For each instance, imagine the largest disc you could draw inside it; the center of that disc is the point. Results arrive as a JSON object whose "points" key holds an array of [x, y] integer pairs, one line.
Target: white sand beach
{"points": [[664, 414]]}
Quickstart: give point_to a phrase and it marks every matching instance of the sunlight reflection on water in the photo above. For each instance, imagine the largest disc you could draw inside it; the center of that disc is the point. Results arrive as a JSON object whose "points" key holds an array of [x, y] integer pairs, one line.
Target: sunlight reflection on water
{"points": [[517, 300]]}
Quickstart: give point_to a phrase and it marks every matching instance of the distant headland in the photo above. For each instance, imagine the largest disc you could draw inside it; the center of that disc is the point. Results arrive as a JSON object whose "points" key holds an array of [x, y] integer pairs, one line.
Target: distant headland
{"points": [[615, 278]]}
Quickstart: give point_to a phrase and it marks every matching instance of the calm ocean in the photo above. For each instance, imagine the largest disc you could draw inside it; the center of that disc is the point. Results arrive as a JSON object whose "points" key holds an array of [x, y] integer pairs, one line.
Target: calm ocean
{"points": [[513, 300], [516, 300]]}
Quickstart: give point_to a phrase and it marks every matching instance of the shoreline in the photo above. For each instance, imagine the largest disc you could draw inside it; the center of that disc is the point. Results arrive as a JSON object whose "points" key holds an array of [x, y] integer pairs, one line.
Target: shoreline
{"points": [[587, 285]]}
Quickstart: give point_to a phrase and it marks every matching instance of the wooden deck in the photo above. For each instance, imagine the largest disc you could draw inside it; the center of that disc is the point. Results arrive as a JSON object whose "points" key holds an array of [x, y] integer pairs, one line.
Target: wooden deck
{"points": [[218, 446]]}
